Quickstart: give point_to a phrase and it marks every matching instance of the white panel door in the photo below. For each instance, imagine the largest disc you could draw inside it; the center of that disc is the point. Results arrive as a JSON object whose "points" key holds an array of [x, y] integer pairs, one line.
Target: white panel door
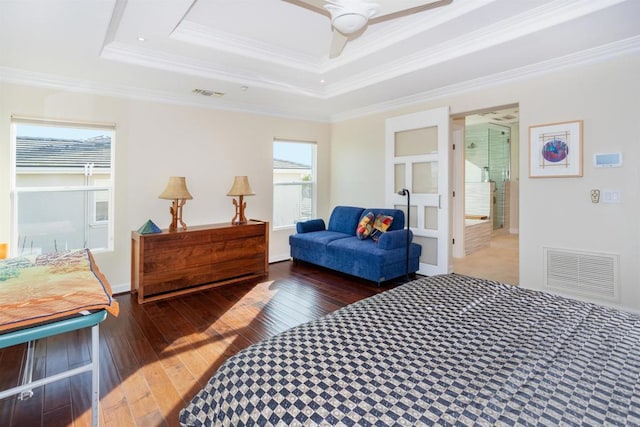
{"points": [[417, 159]]}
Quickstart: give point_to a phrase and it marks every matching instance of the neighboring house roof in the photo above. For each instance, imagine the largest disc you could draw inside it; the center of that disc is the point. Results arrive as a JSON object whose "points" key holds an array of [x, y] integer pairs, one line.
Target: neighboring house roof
{"points": [[286, 164], [34, 152]]}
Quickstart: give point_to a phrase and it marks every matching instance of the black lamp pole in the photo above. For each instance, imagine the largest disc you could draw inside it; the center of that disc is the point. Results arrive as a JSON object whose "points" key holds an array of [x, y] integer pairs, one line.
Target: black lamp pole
{"points": [[405, 192]]}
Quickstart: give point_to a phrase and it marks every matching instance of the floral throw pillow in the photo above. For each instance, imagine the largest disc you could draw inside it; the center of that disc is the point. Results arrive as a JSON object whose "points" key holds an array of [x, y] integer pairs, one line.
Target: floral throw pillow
{"points": [[380, 225], [365, 226]]}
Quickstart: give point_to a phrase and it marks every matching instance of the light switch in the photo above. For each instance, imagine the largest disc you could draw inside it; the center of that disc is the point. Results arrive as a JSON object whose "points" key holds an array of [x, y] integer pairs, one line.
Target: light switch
{"points": [[611, 196]]}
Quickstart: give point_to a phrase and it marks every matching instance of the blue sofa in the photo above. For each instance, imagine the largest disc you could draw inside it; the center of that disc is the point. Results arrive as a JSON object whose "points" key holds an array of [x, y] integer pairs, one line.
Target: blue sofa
{"points": [[337, 247]]}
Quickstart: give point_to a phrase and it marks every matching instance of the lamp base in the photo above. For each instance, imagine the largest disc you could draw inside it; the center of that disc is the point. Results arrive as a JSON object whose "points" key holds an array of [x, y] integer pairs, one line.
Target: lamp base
{"points": [[176, 216], [239, 217]]}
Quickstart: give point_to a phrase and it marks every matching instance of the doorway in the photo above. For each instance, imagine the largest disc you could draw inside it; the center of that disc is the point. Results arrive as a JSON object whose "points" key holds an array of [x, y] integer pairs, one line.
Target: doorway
{"points": [[487, 217]]}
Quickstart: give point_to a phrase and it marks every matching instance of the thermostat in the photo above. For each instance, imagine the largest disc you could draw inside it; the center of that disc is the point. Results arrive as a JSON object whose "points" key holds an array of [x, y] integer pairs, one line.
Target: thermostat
{"points": [[607, 160]]}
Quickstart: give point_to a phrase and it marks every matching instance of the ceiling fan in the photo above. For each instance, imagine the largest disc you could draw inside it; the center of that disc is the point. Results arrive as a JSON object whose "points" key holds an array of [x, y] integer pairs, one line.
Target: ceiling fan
{"points": [[350, 17]]}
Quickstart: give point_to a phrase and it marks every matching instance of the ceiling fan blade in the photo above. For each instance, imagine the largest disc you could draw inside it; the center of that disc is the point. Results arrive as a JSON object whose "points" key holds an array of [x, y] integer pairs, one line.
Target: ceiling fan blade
{"points": [[338, 41], [389, 7], [316, 4]]}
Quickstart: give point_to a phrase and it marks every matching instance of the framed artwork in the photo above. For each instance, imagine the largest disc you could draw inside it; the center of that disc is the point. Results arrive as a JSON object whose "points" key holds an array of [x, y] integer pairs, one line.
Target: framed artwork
{"points": [[555, 150]]}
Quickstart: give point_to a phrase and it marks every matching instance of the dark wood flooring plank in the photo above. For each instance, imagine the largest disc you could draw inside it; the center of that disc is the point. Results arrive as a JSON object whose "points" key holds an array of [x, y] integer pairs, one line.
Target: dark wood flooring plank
{"points": [[30, 411], [10, 377], [128, 341], [80, 386], [79, 353], [115, 407], [59, 417], [57, 394], [168, 357], [133, 383]]}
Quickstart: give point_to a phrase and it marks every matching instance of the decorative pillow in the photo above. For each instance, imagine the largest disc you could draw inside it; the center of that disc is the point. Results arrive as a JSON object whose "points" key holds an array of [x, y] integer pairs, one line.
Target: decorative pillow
{"points": [[365, 226], [381, 224]]}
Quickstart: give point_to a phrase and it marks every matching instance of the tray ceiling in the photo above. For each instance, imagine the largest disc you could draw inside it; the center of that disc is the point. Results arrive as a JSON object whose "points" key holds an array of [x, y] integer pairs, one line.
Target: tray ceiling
{"points": [[272, 56]]}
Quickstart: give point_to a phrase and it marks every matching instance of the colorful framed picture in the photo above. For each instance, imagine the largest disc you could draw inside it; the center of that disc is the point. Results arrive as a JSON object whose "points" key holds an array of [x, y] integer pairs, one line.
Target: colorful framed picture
{"points": [[555, 150]]}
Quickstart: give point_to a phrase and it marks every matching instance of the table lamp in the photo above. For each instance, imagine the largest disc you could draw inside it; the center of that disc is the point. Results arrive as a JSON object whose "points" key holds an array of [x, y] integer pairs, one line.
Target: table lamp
{"points": [[177, 191], [240, 188]]}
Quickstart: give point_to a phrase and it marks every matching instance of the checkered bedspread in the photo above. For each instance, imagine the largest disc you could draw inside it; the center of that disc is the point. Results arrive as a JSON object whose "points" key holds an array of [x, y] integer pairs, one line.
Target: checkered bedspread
{"points": [[445, 350]]}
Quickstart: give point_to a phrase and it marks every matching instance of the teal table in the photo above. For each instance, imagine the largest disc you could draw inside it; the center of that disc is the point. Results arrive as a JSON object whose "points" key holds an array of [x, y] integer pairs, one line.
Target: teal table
{"points": [[30, 334]]}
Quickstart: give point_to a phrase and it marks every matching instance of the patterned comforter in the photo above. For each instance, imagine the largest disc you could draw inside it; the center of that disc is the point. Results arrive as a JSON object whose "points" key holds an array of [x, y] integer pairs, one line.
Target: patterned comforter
{"points": [[35, 290], [445, 350]]}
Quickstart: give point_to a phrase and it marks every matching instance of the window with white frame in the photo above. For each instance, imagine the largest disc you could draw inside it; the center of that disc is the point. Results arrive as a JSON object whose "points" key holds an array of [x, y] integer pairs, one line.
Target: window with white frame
{"points": [[294, 182], [62, 186]]}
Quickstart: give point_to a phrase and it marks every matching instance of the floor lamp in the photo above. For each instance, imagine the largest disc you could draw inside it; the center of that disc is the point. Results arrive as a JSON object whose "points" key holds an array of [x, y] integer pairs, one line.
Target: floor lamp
{"points": [[405, 192]]}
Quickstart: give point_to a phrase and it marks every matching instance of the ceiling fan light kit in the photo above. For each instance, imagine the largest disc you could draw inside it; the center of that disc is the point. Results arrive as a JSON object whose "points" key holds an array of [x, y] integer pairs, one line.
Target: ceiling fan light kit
{"points": [[349, 23], [349, 17]]}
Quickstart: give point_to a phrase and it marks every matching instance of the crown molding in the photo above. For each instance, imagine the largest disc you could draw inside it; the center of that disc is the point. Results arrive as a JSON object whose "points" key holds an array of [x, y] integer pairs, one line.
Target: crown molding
{"points": [[48, 81], [601, 53], [588, 56]]}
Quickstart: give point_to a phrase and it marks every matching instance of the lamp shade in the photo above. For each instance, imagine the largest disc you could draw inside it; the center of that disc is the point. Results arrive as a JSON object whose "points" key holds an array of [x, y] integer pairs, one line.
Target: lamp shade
{"points": [[176, 189], [240, 187]]}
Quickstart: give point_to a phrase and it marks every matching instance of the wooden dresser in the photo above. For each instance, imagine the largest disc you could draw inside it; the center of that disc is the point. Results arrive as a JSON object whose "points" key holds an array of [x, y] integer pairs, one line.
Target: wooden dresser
{"points": [[169, 264]]}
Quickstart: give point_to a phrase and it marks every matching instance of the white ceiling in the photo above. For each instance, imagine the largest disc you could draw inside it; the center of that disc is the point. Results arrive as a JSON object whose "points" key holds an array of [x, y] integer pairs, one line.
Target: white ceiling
{"points": [[271, 56]]}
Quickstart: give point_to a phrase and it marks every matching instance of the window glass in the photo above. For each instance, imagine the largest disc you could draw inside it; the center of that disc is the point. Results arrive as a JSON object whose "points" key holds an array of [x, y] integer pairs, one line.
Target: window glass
{"points": [[63, 187], [294, 182]]}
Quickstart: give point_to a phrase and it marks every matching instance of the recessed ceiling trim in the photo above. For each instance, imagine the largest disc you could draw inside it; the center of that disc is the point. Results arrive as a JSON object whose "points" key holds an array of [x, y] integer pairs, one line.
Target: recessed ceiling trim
{"points": [[495, 34], [127, 53], [201, 35], [395, 32], [545, 16]]}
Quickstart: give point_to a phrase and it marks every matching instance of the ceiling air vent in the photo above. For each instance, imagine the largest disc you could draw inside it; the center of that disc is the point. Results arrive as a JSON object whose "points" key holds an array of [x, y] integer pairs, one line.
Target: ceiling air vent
{"points": [[205, 92], [586, 274]]}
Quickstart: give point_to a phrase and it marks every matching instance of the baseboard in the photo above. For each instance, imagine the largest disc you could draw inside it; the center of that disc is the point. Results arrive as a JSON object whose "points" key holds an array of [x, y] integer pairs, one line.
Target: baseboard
{"points": [[278, 258], [122, 288]]}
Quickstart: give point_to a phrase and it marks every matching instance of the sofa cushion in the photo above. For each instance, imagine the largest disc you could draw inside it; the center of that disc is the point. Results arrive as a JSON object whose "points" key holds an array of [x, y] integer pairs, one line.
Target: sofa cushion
{"points": [[344, 219], [310, 225], [316, 239], [365, 226], [352, 250]]}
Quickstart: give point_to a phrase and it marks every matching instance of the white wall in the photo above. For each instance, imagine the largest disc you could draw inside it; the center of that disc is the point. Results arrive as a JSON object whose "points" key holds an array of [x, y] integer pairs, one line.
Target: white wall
{"points": [[555, 212], [209, 147], [153, 141]]}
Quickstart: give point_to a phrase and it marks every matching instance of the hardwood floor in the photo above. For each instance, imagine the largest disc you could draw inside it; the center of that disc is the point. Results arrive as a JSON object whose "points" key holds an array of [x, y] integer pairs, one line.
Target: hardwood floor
{"points": [[155, 357]]}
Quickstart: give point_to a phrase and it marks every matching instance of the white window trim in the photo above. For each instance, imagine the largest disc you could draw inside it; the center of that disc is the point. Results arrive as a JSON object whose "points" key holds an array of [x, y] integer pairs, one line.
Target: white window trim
{"points": [[313, 182], [13, 170]]}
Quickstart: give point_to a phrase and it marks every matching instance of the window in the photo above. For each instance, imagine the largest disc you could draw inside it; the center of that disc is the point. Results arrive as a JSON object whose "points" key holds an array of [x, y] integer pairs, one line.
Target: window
{"points": [[294, 182], [62, 186]]}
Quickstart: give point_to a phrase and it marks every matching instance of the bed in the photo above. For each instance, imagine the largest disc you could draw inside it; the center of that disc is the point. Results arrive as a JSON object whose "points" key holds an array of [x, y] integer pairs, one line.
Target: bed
{"points": [[49, 295], [444, 350]]}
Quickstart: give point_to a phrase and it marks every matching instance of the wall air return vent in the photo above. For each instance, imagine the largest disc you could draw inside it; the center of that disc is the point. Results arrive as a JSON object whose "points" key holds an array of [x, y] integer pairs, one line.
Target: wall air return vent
{"points": [[579, 273]]}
